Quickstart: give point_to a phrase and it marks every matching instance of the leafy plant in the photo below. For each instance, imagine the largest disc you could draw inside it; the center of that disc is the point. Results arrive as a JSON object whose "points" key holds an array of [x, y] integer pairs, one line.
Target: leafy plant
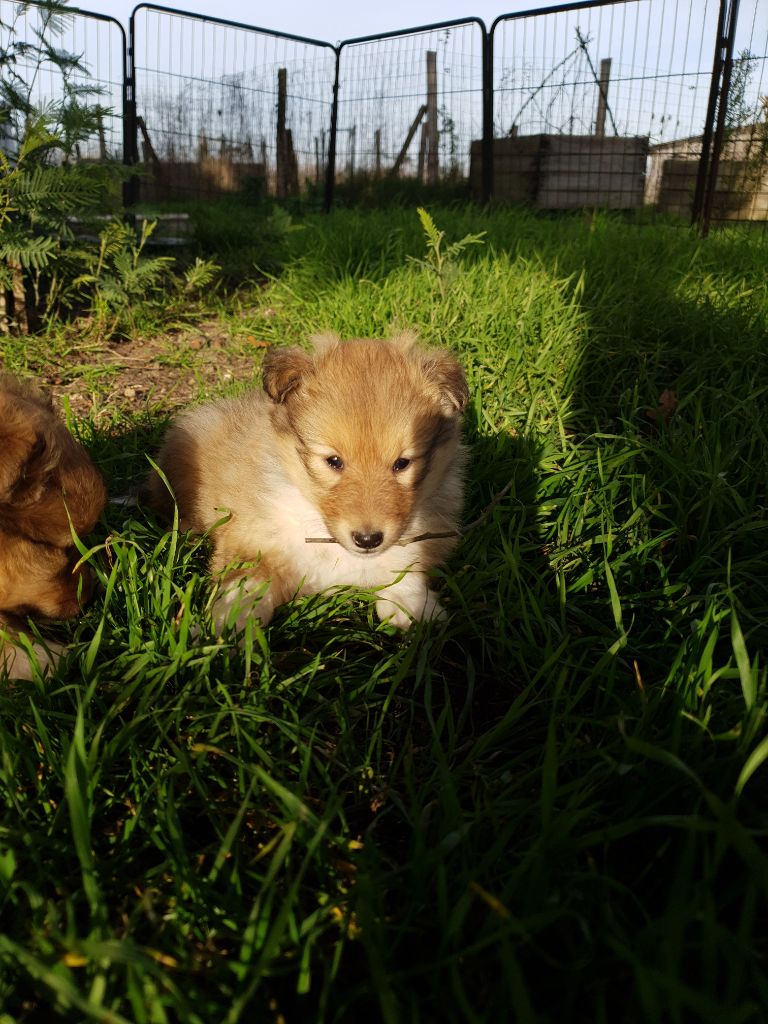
{"points": [[68, 119], [200, 275], [442, 260], [42, 187], [122, 279], [126, 289]]}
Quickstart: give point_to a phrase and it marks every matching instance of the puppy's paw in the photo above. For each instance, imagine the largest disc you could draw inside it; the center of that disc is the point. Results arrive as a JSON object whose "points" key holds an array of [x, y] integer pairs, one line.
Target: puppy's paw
{"points": [[404, 611], [241, 601], [16, 662]]}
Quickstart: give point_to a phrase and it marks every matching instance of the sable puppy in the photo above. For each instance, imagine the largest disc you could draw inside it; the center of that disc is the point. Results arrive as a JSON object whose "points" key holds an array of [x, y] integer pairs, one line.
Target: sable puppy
{"points": [[358, 441], [46, 480]]}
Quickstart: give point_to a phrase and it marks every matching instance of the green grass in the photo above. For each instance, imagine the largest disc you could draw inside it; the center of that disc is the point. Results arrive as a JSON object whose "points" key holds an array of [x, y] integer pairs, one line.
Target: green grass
{"points": [[553, 808]]}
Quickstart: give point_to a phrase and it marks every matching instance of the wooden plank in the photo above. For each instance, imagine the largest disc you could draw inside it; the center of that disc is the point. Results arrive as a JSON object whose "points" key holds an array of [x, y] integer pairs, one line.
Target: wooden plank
{"points": [[408, 138]]}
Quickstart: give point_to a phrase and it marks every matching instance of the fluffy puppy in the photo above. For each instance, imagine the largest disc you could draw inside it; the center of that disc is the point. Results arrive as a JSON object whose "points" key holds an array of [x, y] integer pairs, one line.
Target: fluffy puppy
{"points": [[46, 481], [356, 443]]}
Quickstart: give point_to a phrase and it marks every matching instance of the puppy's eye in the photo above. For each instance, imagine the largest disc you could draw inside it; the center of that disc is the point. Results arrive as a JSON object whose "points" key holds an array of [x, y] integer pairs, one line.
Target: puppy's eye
{"points": [[335, 463], [400, 464]]}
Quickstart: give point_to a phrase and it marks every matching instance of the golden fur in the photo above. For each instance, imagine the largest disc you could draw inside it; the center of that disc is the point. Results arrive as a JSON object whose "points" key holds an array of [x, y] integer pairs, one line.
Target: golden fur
{"points": [[46, 480], [322, 453]]}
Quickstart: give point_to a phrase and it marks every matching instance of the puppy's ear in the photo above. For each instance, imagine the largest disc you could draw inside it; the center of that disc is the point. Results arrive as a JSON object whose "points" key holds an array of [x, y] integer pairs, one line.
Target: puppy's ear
{"points": [[21, 463], [405, 340], [283, 371], [325, 342], [446, 381]]}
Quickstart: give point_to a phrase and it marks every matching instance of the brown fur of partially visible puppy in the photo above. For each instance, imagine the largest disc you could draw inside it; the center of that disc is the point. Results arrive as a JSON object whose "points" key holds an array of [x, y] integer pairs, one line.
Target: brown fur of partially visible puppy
{"points": [[47, 481], [358, 441]]}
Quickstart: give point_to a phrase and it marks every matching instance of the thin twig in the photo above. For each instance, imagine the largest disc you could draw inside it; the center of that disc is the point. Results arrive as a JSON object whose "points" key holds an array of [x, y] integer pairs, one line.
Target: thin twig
{"points": [[434, 536]]}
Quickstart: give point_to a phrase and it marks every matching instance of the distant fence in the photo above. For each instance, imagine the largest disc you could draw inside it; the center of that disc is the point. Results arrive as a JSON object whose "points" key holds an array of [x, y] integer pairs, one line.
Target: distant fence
{"points": [[219, 106], [410, 100], [609, 103]]}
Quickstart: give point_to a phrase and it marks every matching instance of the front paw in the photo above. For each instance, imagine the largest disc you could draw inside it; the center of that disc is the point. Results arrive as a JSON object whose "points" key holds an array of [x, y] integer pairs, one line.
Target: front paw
{"points": [[18, 662], [237, 603], [403, 613]]}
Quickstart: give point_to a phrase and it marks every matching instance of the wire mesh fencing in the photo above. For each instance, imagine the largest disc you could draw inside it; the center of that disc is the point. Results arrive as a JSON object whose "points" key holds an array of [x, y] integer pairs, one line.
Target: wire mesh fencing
{"points": [[409, 103], [624, 104], [591, 102], [738, 172], [222, 107], [54, 62]]}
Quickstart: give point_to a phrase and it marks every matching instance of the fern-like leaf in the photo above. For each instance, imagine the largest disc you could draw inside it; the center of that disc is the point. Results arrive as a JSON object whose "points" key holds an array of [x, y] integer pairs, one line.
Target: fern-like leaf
{"points": [[28, 251]]}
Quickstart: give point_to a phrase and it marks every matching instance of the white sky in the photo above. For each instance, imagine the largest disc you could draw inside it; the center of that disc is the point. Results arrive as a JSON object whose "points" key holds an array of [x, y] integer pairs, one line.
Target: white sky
{"points": [[326, 20]]}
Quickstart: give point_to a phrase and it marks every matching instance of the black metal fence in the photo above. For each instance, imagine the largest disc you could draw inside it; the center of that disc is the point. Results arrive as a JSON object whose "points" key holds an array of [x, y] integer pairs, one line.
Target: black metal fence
{"points": [[220, 106], [101, 44], [609, 103]]}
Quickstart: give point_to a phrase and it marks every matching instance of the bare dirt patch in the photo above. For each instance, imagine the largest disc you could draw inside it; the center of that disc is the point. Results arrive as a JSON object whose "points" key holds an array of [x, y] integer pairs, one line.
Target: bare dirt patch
{"points": [[118, 379]]}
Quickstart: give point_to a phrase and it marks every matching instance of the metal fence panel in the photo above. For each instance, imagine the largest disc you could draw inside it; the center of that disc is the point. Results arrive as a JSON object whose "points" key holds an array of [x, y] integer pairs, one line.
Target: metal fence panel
{"points": [[603, 103], [99, 43], [612, 103], [411, 102], [222, 106], [739, 179]]}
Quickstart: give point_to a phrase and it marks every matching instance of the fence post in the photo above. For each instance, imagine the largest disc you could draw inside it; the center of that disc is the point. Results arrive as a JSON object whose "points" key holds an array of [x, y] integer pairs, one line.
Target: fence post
{"points": [[714, 127], [430, 125], [722, 109], [487, 143], [330, 176], [602, 98], [130, 143]]}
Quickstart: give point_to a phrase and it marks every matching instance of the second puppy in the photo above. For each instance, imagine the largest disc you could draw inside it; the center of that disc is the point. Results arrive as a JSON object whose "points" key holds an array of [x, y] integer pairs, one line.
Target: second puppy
{"points": [[357, 443], [48, 486]]}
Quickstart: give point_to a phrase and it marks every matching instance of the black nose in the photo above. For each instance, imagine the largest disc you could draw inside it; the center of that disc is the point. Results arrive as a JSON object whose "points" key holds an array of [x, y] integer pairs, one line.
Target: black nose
{"points": [[367, 541]]}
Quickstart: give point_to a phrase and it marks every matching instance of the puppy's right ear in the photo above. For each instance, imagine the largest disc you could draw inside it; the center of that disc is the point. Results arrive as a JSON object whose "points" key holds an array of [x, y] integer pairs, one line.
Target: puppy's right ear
{"points": [[283, 371], [20, 463]]}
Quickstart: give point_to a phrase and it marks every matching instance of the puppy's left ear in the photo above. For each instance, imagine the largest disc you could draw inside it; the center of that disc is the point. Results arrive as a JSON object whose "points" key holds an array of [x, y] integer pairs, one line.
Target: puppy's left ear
{"points": [[446, 378], [283, 370]]}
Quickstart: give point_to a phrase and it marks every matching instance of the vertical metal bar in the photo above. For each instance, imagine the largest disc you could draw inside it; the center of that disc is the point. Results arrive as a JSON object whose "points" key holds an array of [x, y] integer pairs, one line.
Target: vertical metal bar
{"points": [[281, 145], [722, 110], [487, 143], [330, 176], [430, 125], [130, 147], [709, 124]]}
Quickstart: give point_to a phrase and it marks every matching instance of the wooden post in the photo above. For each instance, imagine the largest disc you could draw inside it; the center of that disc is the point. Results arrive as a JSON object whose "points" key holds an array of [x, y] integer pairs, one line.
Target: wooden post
{"points": [[291, 166], [102, 139], [149, 154], [602, 97], [20, 311], [408, 138], [317, 160], [431, 123], [377, 152], [423, 144]]}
